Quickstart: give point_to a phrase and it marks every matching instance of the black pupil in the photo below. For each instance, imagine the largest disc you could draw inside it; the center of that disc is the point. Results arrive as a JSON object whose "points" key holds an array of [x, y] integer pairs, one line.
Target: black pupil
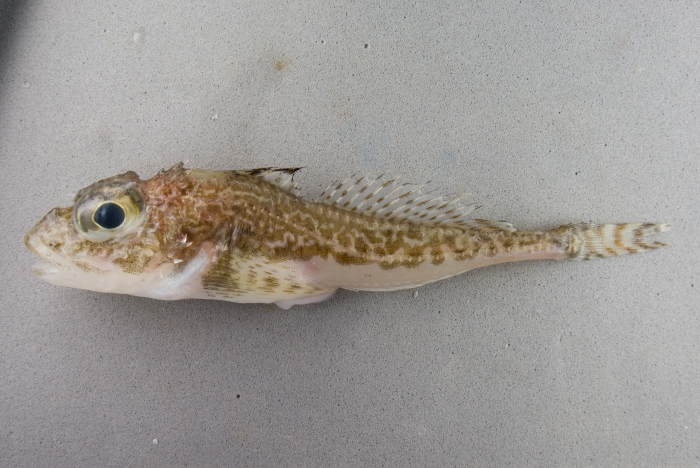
{"points": [[109, 215]]}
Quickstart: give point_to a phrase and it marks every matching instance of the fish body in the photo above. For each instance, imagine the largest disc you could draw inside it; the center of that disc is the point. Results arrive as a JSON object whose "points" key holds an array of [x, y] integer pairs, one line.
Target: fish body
{"points": [[246, 236]]}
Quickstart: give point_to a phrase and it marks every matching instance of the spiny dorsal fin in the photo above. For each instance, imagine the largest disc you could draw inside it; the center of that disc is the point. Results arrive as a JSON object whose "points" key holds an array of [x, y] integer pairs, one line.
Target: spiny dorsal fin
{"points": [[388, 198], [282, 177]]}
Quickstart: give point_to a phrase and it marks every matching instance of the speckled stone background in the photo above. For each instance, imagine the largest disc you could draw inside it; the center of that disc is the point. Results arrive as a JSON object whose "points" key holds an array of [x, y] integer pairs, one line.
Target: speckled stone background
{"points": [[556, 112]]}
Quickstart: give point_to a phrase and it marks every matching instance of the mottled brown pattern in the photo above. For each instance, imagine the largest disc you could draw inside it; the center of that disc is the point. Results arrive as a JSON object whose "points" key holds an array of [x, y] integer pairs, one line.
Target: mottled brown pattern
{"points": [[247, 226], [276, 225], [188, 208]]}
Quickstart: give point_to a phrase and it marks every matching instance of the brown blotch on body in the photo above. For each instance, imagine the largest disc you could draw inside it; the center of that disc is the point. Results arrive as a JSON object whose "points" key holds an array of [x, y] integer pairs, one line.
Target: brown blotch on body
{"points": [[438, 256], [271, 282], [132, 264], [361, 246], [407, 263], [348, 259]]}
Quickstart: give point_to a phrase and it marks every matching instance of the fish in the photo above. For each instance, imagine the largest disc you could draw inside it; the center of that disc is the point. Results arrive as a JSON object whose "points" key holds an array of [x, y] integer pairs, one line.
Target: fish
{"points": [[247, 236]]}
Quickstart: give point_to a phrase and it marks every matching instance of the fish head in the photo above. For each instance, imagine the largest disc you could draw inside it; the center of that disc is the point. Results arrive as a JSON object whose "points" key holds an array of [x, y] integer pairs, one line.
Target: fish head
{"points": [[151, 238]]}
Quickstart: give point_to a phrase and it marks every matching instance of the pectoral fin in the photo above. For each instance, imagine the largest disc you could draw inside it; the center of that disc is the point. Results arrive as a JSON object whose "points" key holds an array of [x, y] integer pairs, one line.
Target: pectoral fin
{"points": [[256, 279]]}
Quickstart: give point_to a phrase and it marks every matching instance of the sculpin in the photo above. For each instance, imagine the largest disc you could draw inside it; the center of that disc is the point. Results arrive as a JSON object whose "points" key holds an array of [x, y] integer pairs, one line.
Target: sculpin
{"points": [[246, 236]]}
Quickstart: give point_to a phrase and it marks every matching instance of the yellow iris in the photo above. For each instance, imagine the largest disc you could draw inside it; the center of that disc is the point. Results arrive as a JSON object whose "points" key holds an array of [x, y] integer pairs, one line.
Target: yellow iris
{"points": [[107, 211]]}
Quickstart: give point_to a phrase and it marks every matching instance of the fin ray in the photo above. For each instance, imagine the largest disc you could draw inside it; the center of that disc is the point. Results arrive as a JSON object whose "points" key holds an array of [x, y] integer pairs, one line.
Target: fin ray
{"points": [[610, 240], [239, 277], [282, 177], [389, 198]]}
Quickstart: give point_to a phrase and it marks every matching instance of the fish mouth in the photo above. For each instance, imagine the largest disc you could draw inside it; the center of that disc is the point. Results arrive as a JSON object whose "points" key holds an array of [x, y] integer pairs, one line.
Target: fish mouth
{"points": [[43, 269], [29, 241], [51, 259], [49, 263]]}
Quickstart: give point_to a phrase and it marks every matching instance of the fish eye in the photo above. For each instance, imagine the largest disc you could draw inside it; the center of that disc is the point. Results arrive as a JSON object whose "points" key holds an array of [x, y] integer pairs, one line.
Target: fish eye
{"points": [[109, 215], [108, 211]]}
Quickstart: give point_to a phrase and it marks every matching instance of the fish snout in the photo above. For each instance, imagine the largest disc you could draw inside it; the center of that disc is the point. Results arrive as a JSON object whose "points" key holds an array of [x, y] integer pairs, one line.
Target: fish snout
{"points": [[49, 228]]}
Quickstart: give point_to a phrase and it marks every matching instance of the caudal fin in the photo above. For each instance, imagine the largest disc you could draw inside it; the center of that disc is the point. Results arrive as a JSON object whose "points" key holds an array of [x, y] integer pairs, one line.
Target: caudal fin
{"points": [[588, 241]]}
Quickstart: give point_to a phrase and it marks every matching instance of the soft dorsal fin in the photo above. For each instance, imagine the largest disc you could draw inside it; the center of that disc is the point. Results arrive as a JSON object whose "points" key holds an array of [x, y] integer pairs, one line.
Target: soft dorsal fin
{"points": [[282, 177], [388, 198]]}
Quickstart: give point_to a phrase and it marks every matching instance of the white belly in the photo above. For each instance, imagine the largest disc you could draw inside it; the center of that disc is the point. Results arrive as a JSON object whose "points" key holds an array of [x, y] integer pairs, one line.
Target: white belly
{"points": [[328, 273]]}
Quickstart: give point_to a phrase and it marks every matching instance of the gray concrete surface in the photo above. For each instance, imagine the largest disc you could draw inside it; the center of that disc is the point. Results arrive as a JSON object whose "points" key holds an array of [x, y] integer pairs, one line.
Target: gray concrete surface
{"points": [[561, 112]]}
